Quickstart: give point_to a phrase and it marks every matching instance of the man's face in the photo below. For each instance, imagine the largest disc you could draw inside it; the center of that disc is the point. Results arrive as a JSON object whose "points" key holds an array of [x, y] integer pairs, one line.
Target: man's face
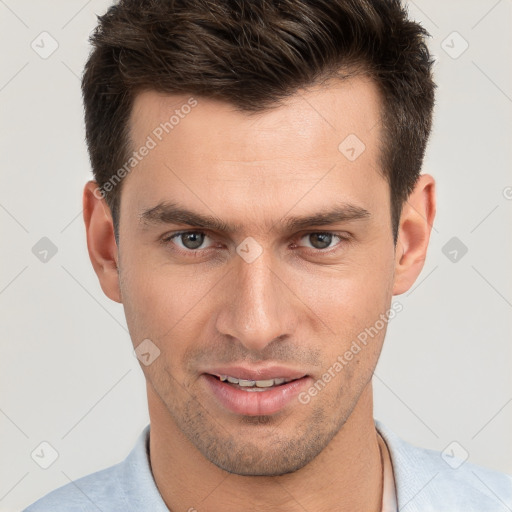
{"points": [[268, 299]]}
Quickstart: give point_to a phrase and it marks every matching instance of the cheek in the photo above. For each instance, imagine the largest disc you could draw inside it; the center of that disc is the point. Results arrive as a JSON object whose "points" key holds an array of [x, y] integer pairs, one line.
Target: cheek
{"points": [[161, 304], [349, 299]]}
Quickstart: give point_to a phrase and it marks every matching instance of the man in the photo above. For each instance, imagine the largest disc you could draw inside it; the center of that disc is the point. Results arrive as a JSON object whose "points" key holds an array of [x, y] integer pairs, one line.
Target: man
{"points": [[257, 203]]}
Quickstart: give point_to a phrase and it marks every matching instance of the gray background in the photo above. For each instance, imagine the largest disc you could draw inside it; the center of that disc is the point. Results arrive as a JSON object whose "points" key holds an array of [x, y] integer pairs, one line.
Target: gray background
{"points": [[68, 374]]}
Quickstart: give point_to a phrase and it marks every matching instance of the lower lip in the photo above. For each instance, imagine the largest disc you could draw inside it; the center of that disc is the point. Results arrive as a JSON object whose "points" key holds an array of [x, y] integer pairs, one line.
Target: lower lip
{"points": [[256, 403]]}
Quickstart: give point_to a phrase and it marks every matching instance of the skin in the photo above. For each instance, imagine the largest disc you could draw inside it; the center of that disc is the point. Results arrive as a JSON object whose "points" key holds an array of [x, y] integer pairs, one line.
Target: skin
{"points": [[295, 305]]}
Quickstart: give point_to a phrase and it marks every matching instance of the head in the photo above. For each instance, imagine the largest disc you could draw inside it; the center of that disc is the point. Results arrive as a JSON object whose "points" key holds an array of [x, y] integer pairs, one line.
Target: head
{"points": [[284, 140]]}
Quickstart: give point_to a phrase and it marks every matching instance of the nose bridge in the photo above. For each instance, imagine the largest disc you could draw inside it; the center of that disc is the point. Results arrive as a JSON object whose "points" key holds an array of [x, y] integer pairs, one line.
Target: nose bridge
{"points": [[257, 308]]}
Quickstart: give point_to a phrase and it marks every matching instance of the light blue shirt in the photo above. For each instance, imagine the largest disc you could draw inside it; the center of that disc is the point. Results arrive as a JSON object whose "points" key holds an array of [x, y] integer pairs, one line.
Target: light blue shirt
{"points": [[425, 481]]}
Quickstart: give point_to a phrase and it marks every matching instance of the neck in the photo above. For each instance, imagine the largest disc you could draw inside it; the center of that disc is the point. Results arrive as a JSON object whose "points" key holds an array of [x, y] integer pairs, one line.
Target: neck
{"points": [[345, 476]]}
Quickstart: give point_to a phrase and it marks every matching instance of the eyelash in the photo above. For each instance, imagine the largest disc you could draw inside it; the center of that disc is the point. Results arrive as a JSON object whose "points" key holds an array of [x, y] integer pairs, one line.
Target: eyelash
{"points": [[167, 239]]}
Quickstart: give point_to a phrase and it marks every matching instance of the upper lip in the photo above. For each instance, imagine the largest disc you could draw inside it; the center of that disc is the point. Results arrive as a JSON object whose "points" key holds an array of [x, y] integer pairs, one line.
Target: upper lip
{"points": [[257, 373]]}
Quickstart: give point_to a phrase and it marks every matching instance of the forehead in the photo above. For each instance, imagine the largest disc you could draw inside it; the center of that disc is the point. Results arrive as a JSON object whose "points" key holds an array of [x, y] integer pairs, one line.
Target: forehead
{"points": [[320, 142], [337, 107]]}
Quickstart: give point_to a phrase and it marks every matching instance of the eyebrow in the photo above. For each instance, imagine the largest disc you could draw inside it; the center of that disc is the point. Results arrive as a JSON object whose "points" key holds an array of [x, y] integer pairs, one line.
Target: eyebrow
{"points": [[172, 213]]}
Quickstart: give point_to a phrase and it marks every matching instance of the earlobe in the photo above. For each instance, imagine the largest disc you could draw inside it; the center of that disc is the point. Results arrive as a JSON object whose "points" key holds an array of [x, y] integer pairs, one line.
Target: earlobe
{"points": [[414, 230], [101, 243]]}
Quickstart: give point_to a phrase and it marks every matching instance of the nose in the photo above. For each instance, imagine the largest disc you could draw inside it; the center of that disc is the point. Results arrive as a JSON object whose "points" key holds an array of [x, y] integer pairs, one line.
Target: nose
{"points": [[258, 308]]}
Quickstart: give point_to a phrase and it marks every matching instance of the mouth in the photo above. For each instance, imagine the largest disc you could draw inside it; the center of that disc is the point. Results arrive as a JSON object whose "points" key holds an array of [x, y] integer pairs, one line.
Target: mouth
{"points": [[255, 385], [256, 396]]}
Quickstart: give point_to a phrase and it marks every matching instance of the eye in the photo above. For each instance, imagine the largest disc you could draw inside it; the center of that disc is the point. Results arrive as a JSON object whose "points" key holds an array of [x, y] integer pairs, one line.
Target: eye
{"points": [[322, 241], [191, 242], [188, 240]]}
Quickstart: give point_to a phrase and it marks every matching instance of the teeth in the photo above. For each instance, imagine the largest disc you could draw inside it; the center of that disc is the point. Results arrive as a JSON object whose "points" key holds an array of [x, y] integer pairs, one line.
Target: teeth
{"points": [[254, 383], [246, 383], [266, 383]]}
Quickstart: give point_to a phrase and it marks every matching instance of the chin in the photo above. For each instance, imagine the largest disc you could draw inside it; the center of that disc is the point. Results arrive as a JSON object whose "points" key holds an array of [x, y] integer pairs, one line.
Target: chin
{"points": [[264, 469]]}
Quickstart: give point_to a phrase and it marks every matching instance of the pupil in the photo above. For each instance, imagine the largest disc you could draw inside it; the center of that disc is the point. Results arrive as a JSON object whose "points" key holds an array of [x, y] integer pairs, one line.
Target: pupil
{"points": [[320, 240], [192, 240]]}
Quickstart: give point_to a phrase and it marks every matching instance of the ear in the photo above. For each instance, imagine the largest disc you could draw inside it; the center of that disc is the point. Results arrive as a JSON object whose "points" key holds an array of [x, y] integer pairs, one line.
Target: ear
{"points": [[101, 242], [414, 229]]}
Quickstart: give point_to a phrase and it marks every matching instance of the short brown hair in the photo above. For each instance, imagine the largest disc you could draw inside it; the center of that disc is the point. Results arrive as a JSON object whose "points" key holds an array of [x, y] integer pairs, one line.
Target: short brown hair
{"points": [[253, 54]]}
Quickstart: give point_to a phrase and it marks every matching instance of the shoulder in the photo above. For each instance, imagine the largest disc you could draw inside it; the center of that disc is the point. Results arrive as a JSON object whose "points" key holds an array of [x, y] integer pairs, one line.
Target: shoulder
{"points": [[430, 480], [89, 493], [124, 487]]}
